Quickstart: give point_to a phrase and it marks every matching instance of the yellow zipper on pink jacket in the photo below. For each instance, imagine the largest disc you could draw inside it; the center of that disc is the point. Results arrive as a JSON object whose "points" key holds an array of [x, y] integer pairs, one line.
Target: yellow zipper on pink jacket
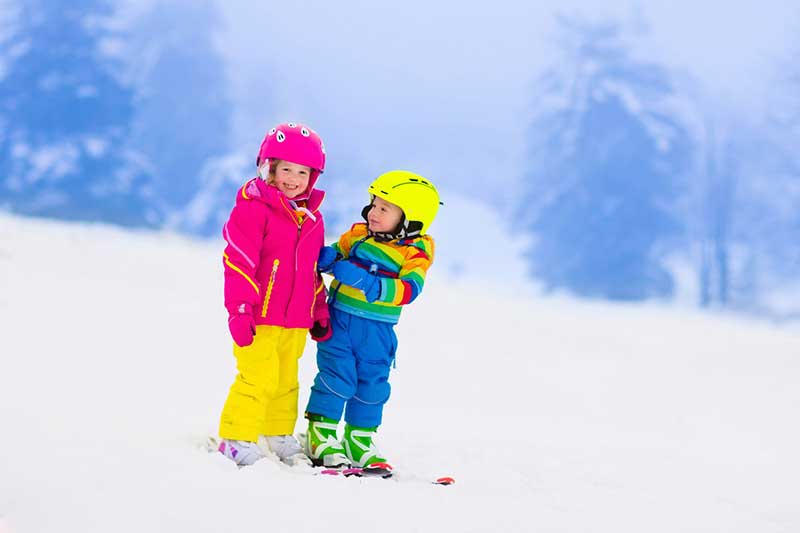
{"points": [[270, 257]]}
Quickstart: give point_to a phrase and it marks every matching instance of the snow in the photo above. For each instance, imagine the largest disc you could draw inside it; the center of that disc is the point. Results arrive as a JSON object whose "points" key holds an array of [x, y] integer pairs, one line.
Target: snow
{"points": [[552, 414]]}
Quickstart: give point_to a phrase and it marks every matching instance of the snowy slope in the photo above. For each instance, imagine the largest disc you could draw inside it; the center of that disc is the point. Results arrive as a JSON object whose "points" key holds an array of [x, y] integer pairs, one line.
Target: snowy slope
{"points": [[553, 415]]}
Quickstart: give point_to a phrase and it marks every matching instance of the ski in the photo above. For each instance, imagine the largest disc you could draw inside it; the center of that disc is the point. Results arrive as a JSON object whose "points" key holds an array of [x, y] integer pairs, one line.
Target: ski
{"points": [[386, 471], [383, 470], [346, 472], [378, 470]]}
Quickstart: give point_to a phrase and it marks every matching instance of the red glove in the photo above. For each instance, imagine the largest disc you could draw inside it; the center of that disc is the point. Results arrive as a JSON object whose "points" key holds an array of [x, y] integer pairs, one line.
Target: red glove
{"points": [[242, 325], [321, 330]]}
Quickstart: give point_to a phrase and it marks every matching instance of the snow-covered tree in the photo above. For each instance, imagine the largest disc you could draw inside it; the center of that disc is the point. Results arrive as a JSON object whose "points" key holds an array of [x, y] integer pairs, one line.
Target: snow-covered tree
{"points": [[742, 218], [606, 164], [768, 210], [183, 115], [110, 112], [710, 217], [65, 117]]}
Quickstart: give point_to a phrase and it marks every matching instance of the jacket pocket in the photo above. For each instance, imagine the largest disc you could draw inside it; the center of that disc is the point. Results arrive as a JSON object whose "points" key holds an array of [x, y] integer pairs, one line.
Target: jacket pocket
{"points": [[268, 294]]}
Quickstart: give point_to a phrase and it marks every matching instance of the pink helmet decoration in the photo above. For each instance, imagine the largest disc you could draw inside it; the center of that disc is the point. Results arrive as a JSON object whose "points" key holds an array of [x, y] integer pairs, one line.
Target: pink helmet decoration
{"points": [[295, 143]]}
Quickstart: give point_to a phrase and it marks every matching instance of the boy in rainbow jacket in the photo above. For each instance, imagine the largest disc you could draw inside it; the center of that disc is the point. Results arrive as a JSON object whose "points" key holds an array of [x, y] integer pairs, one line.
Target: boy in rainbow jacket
{"points": [[273, 293], [379, 266]]}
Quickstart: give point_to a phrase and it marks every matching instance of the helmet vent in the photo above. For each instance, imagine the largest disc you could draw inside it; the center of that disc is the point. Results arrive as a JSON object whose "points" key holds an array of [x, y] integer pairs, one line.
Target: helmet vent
{"points": [[281, 137]]}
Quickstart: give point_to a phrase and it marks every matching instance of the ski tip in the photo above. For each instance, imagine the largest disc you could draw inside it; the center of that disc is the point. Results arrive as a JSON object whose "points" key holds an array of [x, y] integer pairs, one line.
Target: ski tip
{"points": [[383, 470], [446, 480]]}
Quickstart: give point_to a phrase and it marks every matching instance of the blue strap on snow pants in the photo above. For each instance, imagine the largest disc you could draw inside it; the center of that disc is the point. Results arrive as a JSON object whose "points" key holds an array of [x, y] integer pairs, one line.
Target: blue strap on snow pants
{"points": [[353, 370]]}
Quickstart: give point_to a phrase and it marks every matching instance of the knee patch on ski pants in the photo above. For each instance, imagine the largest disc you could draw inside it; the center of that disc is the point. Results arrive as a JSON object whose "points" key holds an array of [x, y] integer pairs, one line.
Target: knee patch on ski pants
{"points": [[376, 394], [336, 385]]}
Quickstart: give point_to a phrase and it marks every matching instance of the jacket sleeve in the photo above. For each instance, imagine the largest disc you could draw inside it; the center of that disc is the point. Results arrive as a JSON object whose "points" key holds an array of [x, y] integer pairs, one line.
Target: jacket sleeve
{"points": [[320, 301], [244, 234], [346, 242], [408, 285], [319, 310]]}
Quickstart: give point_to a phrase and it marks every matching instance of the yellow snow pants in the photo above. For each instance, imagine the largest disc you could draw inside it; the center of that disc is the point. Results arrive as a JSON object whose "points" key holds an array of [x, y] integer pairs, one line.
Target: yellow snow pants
{"points": [[263, 398]]}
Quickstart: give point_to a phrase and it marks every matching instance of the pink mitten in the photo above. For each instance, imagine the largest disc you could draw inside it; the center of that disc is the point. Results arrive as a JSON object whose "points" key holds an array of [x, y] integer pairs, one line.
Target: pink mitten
{"points": [[242, 325]]}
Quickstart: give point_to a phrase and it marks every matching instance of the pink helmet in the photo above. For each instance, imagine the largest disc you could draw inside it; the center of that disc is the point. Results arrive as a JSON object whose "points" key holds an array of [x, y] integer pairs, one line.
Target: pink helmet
{"points": [[295, 143]]}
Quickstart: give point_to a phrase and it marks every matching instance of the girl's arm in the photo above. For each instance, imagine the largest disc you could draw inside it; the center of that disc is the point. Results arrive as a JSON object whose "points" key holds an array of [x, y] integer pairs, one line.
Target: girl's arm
{"points": [[320, 302], [244, 233]]}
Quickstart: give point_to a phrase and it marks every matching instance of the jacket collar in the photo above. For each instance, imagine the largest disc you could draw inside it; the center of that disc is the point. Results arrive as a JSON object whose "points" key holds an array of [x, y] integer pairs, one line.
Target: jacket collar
{"points": [[258, 189]]}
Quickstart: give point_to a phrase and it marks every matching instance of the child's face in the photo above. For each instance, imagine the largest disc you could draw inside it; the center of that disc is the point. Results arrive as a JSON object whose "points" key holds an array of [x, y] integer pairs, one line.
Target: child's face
{"points": [[383, 216], [291, 179]]}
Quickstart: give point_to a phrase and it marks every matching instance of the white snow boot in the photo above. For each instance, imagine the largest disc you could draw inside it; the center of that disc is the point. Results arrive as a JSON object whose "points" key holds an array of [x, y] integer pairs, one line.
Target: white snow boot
{"points": [[287, 449], [241, 452]]}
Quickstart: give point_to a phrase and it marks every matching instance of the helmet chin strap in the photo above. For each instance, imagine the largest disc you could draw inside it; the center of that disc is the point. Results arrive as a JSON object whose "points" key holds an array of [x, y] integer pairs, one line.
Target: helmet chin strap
{"points": [[405, 229]]}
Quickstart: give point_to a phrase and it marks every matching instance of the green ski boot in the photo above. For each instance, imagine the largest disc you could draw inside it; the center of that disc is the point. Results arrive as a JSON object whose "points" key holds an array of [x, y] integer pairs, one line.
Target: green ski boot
{"points": [[321, 444], [360, 449]]}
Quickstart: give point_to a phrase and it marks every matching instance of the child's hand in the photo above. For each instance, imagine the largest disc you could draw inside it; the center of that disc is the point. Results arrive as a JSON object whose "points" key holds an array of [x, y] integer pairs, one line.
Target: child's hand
{"points": [[321, 330], [349, 274], [242, 326], [327, 257]]}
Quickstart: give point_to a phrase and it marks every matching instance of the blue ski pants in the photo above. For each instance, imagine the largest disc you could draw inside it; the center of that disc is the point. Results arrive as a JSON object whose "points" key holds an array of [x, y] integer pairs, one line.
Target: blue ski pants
{"points": [[353, 370]]}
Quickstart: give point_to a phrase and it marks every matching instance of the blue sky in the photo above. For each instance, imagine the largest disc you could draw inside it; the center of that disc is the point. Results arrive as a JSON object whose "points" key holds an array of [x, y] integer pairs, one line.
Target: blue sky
{"points": [[421, 85]]}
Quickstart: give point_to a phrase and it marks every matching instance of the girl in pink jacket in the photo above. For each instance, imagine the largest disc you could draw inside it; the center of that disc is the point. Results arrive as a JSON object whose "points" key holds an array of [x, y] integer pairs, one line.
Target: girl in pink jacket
{"points": [[273, 293]]}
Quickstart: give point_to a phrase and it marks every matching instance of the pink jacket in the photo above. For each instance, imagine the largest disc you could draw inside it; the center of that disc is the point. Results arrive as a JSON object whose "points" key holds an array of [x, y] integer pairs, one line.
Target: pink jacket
{"points": [[271, 258]]}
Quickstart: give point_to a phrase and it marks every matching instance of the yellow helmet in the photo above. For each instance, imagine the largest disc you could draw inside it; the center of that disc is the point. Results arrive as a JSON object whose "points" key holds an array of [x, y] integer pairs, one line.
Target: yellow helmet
{"points": [[415, 195]]}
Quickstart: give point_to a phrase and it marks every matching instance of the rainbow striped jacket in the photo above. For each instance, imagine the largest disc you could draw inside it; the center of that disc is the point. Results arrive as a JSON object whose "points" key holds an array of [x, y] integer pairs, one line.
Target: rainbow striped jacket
{"points": [[401, 267]]}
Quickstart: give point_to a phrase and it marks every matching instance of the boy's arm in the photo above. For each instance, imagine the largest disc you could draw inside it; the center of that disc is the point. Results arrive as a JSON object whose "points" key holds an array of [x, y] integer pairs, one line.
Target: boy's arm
{"points": [[345, 242], [411, 278], [329, 255]]}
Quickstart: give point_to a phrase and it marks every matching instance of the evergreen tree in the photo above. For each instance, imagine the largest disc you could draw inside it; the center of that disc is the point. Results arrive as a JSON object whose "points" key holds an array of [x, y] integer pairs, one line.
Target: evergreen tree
{"points": [[66, 118], [606, 163]]}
